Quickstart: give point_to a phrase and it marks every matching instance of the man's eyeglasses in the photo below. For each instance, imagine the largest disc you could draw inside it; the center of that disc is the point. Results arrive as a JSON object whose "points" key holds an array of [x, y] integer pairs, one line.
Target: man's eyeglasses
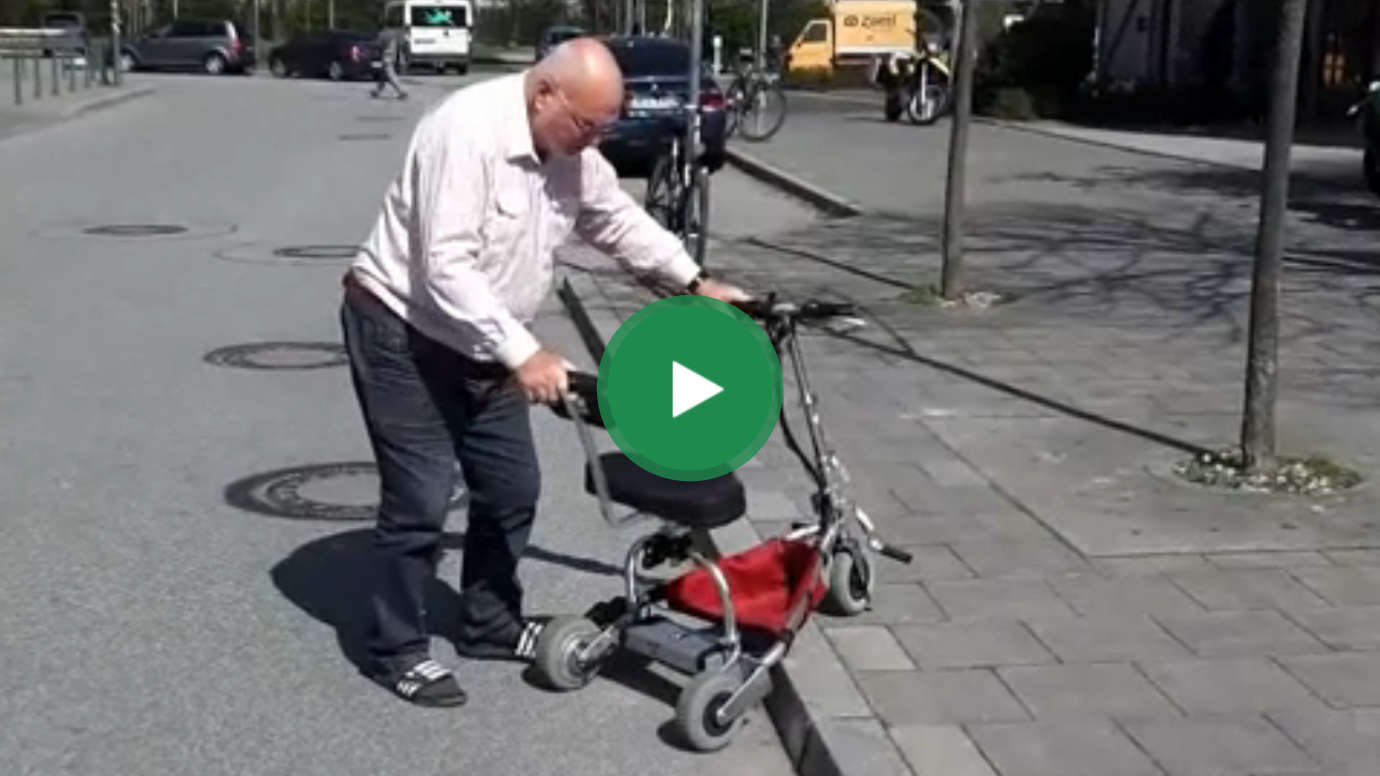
{"points": [[585, 127]]}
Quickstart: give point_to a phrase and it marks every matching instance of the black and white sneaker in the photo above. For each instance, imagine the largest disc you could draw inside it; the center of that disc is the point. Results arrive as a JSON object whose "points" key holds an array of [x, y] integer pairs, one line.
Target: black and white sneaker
{"points": [[427, 683], [517, 642]]}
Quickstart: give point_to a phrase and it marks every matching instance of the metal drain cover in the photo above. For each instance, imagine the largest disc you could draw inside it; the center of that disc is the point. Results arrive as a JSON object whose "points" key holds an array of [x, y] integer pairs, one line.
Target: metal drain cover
{"points": [[273, 356], [135, 230], [364, 136], [329, 491], [317, 251]]}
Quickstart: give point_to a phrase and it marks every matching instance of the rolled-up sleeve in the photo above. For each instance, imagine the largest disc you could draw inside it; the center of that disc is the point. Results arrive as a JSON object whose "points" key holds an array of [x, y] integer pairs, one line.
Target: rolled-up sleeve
{"points": [[450, 179], [613, 222]]}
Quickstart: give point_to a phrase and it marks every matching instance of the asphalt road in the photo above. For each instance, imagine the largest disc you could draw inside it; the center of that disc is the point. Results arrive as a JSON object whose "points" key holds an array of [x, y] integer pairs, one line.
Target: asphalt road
{"points": [[147, 624]]}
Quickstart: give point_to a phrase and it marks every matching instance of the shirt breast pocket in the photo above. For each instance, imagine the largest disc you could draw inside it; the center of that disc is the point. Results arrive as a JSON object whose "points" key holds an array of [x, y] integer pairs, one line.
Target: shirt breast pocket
{"points": [[506, 222]]}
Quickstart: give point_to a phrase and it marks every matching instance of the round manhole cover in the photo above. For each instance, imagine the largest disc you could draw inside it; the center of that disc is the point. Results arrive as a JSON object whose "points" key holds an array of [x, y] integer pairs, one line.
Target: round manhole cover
{"points": [[153, 230], [135, 230], [364, 136], [317, 251], [279, 355], [329, 491]]}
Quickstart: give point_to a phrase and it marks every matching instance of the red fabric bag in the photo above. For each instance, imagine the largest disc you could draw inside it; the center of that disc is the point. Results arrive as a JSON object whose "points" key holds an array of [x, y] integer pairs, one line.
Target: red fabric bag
{"points": [[764, 582]]}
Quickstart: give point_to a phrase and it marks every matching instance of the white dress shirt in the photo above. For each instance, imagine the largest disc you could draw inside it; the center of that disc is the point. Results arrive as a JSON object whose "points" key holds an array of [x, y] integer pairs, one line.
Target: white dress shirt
{"points": [[463, 248]]}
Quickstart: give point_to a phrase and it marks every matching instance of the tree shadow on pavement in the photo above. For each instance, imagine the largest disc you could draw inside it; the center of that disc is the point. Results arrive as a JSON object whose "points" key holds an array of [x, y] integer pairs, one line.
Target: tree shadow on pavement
{"points": [[329, 578]]}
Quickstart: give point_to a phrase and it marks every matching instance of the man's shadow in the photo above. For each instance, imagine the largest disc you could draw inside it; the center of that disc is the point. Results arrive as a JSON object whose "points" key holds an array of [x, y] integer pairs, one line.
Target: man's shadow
{"points": [[330, 579]]}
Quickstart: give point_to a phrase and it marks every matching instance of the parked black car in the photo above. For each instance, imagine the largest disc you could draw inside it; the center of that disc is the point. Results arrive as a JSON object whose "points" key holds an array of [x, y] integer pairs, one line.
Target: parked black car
{"points": [[335, 54], [554, 36], [656, 77], [212, 45]]}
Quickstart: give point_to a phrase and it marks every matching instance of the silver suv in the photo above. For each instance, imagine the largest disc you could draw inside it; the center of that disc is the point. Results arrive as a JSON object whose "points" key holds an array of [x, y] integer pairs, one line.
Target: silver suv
{"points": [[211, 45]]}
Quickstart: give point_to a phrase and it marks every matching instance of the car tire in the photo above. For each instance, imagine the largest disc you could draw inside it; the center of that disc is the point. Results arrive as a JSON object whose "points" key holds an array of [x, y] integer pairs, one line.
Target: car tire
{"points": [[1371, 161], [463, 68], [128, 62], [279, 68], [335, 71], [213, 64]]}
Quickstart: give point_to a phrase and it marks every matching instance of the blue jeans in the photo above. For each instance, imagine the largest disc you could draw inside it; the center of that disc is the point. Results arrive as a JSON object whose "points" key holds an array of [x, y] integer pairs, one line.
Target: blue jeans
{"points": [[425, 406]]}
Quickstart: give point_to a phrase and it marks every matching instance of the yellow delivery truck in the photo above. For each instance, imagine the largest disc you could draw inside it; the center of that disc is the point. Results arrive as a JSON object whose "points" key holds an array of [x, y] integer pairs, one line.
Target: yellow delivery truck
{"points": [[855, 32]]}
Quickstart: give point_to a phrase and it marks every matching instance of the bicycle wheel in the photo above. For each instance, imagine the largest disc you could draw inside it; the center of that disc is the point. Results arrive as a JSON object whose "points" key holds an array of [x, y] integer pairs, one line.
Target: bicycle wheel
{"points": [[696, 234], [733, 102], [763, 111], [928, 103], [663, 191]]}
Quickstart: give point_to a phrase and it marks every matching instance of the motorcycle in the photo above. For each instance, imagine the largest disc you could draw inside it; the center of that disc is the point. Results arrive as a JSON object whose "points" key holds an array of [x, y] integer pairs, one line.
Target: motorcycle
{"points": [[920, 85], [1368, 110]]}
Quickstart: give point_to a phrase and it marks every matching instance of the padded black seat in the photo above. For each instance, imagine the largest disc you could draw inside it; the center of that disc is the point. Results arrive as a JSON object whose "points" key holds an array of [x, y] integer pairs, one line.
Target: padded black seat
{"points": [[704, 504]]}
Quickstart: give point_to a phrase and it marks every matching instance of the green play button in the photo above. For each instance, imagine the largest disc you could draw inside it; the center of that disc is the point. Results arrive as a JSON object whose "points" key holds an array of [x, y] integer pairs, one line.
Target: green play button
{"points": [[690, 388]]}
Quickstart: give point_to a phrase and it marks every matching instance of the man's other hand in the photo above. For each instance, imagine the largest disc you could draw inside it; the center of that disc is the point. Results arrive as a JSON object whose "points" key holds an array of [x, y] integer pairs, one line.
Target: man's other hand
{"points": [[543, 378]]}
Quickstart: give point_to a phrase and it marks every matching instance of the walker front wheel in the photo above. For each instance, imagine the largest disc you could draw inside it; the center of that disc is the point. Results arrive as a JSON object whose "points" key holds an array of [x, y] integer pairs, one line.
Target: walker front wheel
{"points": [[697, 710], [848, 583]]}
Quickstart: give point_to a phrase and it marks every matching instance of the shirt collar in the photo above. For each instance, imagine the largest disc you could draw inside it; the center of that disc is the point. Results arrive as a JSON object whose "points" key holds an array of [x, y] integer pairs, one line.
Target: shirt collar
{"points": [[518, 130]]}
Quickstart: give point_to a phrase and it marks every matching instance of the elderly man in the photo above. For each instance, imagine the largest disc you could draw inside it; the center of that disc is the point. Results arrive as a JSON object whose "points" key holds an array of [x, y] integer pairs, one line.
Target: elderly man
{"points": [[435, 321]]}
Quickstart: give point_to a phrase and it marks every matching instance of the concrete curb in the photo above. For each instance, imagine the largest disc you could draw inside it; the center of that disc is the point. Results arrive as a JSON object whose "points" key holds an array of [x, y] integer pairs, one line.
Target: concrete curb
{"points": [[41, 120], [105, 101], [827, 201], [821, 717], [1052, 132]]}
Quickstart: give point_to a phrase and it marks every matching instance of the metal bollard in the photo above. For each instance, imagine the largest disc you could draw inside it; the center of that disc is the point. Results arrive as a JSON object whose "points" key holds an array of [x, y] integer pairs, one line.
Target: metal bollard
{"points": [[71, 74], [86, 68], [57, 80], [38, 79], [18, 81]]}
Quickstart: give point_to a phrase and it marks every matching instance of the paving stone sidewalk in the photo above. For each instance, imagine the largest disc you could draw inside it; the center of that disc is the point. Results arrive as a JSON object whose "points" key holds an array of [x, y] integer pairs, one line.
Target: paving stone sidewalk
{"points": [[1073, 608]]}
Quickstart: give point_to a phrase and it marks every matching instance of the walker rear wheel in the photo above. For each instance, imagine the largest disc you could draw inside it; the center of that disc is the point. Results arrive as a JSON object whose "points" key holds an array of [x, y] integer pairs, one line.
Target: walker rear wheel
{"points": [[558, 648]]}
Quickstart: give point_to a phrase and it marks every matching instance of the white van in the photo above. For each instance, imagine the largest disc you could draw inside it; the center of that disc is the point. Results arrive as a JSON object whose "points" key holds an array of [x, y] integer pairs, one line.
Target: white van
{"points": [[434, 32]]}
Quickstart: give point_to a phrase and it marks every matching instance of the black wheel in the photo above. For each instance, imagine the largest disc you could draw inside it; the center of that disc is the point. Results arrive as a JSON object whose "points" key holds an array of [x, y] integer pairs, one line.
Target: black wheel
{"points": [[335, 71], [928, 104], [213, 64], [558, 648], [128, 62], [763, 112], [697, 708], [278, 68], [663, 192], [893, 107], [1371, 160], [848, 584], [462, 69]]}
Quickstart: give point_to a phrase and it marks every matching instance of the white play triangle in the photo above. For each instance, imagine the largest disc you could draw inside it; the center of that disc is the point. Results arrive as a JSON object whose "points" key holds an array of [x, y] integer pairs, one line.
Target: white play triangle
{"points": [[689, 389]]}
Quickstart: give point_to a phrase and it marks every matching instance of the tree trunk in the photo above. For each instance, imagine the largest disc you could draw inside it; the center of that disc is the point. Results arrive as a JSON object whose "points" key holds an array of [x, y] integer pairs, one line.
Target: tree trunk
{"points": [[952, 272], [1262, 360]]}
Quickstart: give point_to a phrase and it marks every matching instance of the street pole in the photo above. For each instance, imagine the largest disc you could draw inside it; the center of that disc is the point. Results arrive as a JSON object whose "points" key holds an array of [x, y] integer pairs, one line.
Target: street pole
{"points": [[174, 8], [330, 14], [692, 126], [118, 77], [762, 39], [1262, 359], [259, 53], [951, 274]]}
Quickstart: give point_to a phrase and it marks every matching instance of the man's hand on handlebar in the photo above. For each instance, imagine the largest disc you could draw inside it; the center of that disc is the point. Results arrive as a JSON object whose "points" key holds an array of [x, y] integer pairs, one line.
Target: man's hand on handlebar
{"points": [[724, 292], [544, 377]]}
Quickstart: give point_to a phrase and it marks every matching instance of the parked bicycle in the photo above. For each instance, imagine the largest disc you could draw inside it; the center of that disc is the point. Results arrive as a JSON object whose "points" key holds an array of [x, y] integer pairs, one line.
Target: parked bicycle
{"points": [[921, 86], [756, 104], [678, 194]]}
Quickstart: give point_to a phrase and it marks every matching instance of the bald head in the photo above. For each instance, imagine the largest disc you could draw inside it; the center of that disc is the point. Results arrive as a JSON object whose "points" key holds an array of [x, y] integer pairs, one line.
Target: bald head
{"points": [[572, 95]]}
